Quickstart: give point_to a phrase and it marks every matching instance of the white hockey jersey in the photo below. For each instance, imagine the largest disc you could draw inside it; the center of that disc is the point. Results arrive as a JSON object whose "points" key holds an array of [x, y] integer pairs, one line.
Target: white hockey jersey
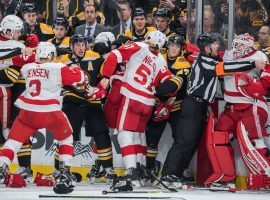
{"points": [[43, 85], [144, 70], [232, 94]]}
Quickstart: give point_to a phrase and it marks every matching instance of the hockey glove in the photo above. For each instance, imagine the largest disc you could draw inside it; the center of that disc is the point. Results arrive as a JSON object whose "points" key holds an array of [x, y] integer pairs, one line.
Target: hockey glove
{"points": [[44, 180], [14, 181], [65, 184], [258, 181], [162, 111], [95, 92]]}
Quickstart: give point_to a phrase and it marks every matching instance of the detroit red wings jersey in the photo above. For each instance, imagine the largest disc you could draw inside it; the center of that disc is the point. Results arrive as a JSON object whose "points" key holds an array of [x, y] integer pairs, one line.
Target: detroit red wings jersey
{"points": [[43, 85], [232, 94], [144, 70]]}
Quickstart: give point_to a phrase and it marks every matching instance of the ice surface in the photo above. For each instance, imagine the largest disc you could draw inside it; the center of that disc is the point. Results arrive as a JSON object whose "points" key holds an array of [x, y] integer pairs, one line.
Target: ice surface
{"points": [[31, 192]]}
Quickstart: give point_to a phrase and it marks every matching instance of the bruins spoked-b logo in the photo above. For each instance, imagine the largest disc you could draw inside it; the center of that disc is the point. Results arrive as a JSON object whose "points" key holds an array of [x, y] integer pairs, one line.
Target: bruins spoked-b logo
{"points": [[81, 87]]}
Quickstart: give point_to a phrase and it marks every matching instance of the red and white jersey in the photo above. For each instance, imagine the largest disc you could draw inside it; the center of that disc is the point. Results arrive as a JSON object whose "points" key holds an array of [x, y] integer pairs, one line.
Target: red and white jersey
{"points": [[232, 93], [43, 85], [144, 70]]}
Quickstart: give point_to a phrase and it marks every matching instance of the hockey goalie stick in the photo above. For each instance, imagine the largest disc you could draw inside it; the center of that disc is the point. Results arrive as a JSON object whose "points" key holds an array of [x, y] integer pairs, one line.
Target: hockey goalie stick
{"points": [[105, 197]]}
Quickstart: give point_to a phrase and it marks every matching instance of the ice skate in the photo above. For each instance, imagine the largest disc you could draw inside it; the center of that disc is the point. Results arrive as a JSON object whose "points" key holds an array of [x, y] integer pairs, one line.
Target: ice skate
{"points": [[121, 185], [110, 175], [172, 181], [65, 183], [96, 172], [3, 171]]}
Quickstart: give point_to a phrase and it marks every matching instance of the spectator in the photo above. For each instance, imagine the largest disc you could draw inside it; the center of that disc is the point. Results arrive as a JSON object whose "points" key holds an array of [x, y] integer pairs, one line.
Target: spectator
{"points": [[264, 39], [8, 7], [126, 17], [91, 27]]}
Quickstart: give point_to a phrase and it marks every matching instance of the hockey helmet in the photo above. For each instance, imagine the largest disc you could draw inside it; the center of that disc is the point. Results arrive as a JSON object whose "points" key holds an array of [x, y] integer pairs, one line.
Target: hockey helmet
{"points": [[163, 12], [28, 8], [138, 12], [176, 39], [75, 39], [45, 50], [105, 37], [157, 38], [11, 23], [204, 40], [61, 21]]}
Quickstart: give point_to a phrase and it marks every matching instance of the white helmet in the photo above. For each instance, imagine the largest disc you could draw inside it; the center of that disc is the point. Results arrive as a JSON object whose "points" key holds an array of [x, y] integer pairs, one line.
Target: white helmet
{"points": [[12, 23], [105, 37], [157, 38], [45, 50]]}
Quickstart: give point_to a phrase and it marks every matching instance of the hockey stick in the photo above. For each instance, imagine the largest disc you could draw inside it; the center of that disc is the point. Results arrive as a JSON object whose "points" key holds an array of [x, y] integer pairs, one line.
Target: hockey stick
{"points": [[137, 192], [118, 9], [163, 184], [18, 7], [104, 197]]}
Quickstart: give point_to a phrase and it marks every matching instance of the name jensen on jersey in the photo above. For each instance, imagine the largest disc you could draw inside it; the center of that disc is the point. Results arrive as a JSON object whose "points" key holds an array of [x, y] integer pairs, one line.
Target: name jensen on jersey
{"points": [[38, 73]]}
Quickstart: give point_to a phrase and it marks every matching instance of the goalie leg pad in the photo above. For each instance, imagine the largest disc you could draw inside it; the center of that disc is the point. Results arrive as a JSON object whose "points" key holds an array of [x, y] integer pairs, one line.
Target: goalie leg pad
{"points": [[255, 162], [215, 152]]}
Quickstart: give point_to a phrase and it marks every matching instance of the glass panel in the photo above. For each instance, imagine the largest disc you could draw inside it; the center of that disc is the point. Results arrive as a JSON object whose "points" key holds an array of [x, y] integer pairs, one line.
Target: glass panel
{"points": [[216, 20], [249, 16]]}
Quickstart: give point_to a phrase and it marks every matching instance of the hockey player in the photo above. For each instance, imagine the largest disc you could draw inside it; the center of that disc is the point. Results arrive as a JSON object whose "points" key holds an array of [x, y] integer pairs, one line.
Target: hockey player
{"points": [[167, 109], [79, 107], [41, 108], [163, 18], [201, 90], [145, 69], [43, 31], [139, 30], [11, 30], [244, 94], [60, 40]]}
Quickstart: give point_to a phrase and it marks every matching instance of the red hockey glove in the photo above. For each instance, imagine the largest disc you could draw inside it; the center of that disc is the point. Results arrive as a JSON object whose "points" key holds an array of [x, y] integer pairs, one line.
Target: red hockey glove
{"points": [[44, 180], [95, 92], [32, 41], [162, 112], [258, 181], [249, 87], [14, 181]]}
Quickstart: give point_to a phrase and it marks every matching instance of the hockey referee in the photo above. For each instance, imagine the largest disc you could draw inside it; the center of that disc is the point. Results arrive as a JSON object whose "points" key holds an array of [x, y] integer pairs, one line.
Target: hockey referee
{"points": [[202, 89]]}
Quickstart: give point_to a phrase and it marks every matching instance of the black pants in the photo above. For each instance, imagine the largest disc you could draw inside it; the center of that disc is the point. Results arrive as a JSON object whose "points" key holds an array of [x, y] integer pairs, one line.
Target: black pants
{"points": [[189, 130], [154, 132]]}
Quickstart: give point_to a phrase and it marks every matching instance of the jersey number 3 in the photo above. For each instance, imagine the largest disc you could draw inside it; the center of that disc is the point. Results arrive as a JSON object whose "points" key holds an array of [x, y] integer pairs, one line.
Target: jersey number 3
{"points": [[141, 74], [36, 85]]}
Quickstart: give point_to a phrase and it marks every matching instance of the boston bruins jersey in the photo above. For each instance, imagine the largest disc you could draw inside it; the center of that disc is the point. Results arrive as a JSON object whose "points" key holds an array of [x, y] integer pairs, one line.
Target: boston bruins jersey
{"points": [[43, 31], [62, 47], [138, 38], [180, 67], [265, 50], [90, 64]]}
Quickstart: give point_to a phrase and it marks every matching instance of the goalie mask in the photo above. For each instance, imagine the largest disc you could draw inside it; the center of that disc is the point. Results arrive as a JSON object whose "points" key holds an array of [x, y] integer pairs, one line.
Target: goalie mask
{"points": [[242, 45]]}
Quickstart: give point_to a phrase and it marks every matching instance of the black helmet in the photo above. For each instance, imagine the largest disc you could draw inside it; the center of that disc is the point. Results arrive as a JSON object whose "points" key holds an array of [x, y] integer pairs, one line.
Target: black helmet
{"points": [[61, 21], [205, 39], [138, 12], [90, 39], [176, 39], [163, 12], [75, 39], [28, 8]]}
